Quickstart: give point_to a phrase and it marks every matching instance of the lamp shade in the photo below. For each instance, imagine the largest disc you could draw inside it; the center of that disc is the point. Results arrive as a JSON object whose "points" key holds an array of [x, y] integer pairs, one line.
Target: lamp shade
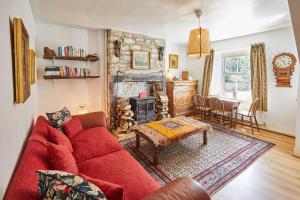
{"points": [[199, 38], [83, 109]]}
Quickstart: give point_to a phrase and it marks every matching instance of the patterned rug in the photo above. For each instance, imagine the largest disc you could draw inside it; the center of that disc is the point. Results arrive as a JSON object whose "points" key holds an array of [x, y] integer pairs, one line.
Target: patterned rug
{"points": [[227, 154]]}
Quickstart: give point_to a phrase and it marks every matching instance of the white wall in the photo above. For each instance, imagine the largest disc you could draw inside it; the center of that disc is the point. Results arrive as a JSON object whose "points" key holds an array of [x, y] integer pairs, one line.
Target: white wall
{"points": [[295, 13], [194, 66], [16, 120], [55, 94], [281, 101], [180, 51]]}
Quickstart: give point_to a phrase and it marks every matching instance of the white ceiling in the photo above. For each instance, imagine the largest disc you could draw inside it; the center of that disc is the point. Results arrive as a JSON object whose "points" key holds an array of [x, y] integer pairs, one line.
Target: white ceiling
{"points": [[169, 19]]}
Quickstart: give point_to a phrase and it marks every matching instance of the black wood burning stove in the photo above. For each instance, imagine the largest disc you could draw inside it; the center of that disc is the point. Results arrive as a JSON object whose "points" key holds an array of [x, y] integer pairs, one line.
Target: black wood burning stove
{"points": [[143, 108]]}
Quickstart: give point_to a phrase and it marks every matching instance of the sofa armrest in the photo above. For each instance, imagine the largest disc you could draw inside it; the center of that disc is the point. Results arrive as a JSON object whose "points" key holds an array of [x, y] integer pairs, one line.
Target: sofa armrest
{"points": [[92, 120], [180, 189]]}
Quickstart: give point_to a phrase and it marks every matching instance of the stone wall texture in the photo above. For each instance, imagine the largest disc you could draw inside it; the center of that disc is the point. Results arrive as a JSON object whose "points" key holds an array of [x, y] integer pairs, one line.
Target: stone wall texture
{"points": [[130, 42], [120, 66]]}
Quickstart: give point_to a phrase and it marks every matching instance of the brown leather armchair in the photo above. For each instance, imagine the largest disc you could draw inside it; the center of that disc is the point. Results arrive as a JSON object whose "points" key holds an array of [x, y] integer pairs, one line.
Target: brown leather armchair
{"points": [[180, 189]]}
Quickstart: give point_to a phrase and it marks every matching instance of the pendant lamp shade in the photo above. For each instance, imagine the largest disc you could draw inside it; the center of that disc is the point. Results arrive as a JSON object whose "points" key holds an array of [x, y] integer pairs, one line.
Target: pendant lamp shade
{"points": [[199, 43]]}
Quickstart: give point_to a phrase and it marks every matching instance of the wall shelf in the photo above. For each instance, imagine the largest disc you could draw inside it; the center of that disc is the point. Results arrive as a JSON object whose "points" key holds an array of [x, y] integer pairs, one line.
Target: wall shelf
{"points": [[91, 59], [74, 77]]}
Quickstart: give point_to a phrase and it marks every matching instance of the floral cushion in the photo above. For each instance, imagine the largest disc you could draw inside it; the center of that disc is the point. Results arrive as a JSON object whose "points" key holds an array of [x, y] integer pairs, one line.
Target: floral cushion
{"points": [[58, 185], [59, 118]]}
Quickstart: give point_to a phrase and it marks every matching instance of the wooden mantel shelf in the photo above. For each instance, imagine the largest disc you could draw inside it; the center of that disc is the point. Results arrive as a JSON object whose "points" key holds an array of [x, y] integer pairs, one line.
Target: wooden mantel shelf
{"points": [[91, 59], [74, 77]]}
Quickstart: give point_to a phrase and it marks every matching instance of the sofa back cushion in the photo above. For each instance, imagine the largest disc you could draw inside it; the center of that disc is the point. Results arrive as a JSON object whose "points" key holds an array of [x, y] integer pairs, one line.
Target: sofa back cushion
{"points": [[61, 158], [72, 127], [57, 137], [92, 120], [24, 182], [40, 130], [93, 143]]}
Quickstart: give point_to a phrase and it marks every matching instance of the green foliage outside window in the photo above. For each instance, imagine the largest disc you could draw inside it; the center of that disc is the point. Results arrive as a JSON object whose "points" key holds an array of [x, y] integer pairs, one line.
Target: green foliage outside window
{"points": [[237, 76]]}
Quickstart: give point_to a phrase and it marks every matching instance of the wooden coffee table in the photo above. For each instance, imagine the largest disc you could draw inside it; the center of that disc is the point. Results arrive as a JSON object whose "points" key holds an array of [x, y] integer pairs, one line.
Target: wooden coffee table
{"points": [[168, 131]]}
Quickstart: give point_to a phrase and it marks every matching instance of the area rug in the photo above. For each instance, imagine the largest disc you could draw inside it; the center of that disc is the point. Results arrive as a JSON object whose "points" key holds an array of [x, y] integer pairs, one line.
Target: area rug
{"points": [[227, 154]]}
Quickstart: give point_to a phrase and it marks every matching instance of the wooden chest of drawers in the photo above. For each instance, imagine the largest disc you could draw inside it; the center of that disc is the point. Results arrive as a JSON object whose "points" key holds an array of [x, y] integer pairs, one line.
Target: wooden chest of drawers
{"points": [[180, 94]]}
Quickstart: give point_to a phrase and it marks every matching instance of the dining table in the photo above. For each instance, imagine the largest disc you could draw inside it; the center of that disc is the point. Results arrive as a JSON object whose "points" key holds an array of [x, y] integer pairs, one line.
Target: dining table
{"points": [[230, 105]]}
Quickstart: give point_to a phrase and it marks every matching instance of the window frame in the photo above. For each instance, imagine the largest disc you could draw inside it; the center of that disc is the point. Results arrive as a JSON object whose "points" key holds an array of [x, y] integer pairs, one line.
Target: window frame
{"points": [[232, 54]]}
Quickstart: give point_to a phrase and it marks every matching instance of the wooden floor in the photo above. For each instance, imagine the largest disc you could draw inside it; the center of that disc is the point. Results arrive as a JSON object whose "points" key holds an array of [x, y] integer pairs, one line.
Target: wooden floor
{"points": [[274, 176]]}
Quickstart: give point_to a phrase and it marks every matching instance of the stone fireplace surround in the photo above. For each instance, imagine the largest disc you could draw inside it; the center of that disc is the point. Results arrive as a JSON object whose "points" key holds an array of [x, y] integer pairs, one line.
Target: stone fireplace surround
{"points": [[123, 81]]}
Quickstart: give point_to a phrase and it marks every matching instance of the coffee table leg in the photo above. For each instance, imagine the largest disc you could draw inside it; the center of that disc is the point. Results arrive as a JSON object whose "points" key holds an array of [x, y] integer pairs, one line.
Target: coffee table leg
{"points": [[137, 140], [155, 155], [205, 137]]}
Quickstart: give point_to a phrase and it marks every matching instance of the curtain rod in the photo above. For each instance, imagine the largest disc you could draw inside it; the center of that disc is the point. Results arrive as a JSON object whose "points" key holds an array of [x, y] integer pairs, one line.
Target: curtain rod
{"points": [[232, 51]]}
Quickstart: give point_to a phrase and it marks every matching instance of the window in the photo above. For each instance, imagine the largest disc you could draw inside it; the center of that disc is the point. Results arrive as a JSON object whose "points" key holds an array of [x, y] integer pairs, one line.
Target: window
{"points": [[237, 77]]}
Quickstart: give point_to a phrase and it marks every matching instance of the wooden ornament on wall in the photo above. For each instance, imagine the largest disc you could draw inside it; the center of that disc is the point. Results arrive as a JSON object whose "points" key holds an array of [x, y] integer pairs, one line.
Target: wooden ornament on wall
{"points": [[283, 68], [117, 48]]}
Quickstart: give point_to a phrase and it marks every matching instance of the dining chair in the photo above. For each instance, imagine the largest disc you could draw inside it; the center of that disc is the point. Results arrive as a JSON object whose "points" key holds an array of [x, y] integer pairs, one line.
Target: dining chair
{"points": [[251, 113], [218, 113], [201, 109]]}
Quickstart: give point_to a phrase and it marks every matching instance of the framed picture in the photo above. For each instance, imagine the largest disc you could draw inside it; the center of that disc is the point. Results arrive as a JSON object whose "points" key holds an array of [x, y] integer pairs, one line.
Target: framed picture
{"points": [[185, 75], [173, 61], [141, 59], [32, 66], [21, 61]]}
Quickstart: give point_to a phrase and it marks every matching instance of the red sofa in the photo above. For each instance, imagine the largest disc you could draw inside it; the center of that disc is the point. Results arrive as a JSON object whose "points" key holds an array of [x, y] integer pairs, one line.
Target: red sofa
{"points": [[98, 155]]}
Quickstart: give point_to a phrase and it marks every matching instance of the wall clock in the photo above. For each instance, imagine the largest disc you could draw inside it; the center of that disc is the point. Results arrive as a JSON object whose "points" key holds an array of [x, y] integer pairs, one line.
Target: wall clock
{"points": [[283, 68]]}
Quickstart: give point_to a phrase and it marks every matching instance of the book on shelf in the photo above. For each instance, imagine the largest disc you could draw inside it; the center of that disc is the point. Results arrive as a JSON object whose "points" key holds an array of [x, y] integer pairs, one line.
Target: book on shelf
{"points": [[70, 51], [52, 71], [65, 71]]}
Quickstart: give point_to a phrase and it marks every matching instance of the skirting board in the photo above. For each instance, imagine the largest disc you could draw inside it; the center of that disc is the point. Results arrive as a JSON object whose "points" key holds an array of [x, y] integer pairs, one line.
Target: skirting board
{"points": [[297, 152], [278, 130], [275, 129]]}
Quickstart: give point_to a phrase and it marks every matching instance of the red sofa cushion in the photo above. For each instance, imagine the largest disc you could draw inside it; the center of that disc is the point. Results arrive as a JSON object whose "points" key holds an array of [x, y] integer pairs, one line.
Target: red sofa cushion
{"points": [[111, 191], [122, 169], [40, 131], [92, 120], [41, 126], [61, 158], [24, 182], [57, 137], [72, 127], [94, 142]]}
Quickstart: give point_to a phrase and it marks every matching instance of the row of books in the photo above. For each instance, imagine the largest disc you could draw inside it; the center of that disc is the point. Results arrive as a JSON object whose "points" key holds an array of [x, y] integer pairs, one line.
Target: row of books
{"points": [[70, 51], [65, 71]]}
